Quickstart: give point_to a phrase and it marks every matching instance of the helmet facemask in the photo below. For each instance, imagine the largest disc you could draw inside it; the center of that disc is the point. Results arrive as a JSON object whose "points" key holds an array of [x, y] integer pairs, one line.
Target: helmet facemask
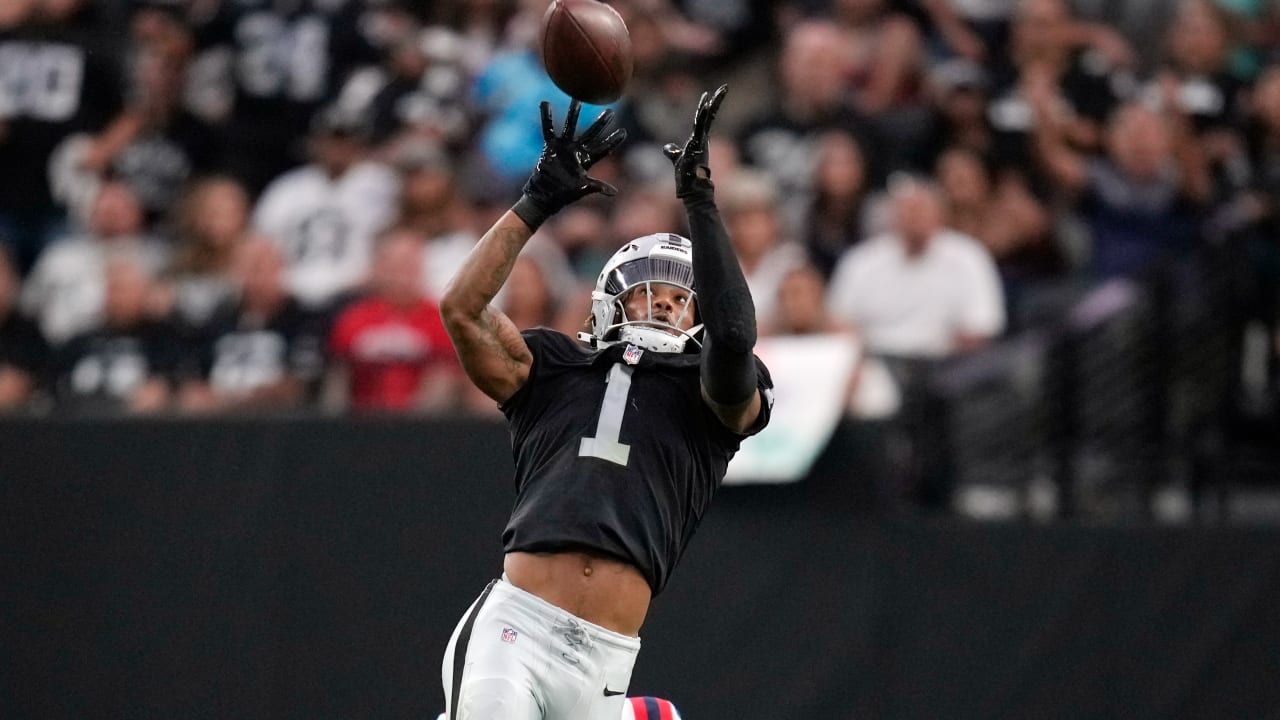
{"points": [[649, 331], [642, 265]]}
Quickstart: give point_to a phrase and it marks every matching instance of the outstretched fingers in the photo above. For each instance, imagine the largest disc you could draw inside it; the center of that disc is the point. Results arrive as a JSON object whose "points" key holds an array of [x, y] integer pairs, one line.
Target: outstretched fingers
{"points": [[596, 151], [708, 106], [602, 121], [571, 119], [548, 127]]}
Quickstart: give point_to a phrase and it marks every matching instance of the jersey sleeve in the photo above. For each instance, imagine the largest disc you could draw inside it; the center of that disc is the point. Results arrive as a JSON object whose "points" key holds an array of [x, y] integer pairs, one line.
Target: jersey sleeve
{"points": [[536, 339], [764, 385]]}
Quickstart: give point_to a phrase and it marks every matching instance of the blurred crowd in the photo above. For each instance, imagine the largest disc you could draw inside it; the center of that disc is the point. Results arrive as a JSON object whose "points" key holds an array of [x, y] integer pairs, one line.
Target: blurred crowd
{"points": [[235, 205]]}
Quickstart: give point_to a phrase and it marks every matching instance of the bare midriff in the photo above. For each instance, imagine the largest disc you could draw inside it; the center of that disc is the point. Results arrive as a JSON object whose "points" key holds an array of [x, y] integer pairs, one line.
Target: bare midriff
{"points": [[601, 590]]}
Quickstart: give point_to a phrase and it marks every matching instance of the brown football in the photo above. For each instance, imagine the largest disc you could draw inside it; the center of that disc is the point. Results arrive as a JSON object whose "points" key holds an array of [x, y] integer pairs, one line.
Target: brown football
{"points": [[586, 50]]}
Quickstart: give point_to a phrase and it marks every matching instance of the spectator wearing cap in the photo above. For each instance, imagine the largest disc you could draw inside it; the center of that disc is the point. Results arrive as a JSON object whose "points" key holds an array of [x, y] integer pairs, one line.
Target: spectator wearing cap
{"points": [[959, 91], [432, 205], [922, 290], [24, 355], [326, 214], [391, 348]]}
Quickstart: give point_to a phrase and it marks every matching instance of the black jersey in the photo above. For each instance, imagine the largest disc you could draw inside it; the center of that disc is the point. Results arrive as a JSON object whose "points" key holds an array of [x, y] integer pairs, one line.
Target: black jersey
{"points": [[238, 356], [615, 452], [98, 372]]}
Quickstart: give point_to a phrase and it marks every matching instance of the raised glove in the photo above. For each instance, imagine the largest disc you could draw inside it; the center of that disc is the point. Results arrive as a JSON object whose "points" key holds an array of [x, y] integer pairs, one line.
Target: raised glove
{"points": [[560, 177], [693, 174]]}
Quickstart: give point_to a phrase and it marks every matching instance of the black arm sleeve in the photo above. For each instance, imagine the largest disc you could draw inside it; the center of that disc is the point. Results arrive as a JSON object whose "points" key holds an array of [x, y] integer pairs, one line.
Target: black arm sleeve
{"points": [[728, 314]]}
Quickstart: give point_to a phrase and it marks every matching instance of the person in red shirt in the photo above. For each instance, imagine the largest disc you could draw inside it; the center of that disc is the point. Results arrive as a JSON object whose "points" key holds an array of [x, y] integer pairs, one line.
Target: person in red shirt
{"points": [[393, 344]]}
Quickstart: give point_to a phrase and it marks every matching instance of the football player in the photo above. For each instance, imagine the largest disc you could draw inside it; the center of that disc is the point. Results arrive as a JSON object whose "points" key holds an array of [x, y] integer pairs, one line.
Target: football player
{"points": [[620, 440]]}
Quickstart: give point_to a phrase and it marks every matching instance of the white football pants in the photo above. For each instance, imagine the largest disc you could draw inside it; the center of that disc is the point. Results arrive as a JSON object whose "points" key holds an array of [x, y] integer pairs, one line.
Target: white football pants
{"points": [[515, 656]]}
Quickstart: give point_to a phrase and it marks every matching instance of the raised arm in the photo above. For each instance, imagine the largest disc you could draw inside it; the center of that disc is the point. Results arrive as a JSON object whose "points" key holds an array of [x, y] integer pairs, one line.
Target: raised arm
{"points": [[728, 313], [1058, 159], [489, 346]]}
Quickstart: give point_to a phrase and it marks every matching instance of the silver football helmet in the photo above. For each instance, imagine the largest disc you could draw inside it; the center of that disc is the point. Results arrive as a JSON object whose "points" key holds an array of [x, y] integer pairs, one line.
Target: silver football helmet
{"points": [[658, 258]]}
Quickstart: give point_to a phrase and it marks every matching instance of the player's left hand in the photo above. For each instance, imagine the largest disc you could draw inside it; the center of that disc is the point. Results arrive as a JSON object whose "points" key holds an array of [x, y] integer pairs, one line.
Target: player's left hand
{"points": [[693, 174]]}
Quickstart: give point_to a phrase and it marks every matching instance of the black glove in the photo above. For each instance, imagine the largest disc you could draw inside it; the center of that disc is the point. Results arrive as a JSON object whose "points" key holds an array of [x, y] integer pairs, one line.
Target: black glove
{"points": [[560, 176], [693, 175]]}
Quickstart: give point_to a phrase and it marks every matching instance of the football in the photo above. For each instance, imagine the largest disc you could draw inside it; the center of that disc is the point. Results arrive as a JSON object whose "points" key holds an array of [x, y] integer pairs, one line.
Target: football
{"points": [[586, 50]]}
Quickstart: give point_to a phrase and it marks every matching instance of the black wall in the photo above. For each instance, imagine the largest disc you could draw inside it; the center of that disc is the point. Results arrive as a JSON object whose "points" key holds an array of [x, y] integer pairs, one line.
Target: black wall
{"points": [[314, 569]]}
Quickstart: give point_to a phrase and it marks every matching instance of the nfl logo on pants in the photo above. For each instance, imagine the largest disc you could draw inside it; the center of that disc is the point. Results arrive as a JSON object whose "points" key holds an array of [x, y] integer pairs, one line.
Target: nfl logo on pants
{"points": [[509, 635]]}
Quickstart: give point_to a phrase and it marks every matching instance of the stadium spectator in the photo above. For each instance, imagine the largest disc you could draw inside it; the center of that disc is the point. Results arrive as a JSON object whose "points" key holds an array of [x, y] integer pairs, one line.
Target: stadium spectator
{"points": [[211, 222], [972, 30], [839, 214], [749, 206], [432, 205], [277, 64], [785, 140], [1198, 45], [64, 291], [24, 355], [326, 214], [959, 93], [645, 210], [801, 305], [884, 54], [156, 144], [390, 349], [540, 289], [263, 352], [1142, 200], [1197, 77], [578, 231], [58, 75], [125, 364], [513, 81], [421, 91], [1046, 48], [1002, 214], [922, 290]]}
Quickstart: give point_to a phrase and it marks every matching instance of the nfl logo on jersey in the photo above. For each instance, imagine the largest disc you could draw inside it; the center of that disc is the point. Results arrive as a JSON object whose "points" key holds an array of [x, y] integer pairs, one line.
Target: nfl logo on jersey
{"points": [[509, 635], [631, 355]]}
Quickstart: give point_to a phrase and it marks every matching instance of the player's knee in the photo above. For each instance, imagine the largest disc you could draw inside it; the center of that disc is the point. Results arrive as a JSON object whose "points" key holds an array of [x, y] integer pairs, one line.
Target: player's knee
{"points": [[496, 699]]}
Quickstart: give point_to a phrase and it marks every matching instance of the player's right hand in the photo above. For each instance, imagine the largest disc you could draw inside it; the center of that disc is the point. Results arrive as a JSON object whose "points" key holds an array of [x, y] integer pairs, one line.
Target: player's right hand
{"points": [[560, 176]]}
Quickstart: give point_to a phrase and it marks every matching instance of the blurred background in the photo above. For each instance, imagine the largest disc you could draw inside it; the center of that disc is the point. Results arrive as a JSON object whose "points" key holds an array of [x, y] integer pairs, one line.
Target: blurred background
{"points": [[1017, 271]]}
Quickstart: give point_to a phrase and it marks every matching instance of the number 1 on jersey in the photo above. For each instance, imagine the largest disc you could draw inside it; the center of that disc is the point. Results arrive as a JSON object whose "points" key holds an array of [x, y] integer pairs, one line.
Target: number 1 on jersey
{"points": [[605, 445]]}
